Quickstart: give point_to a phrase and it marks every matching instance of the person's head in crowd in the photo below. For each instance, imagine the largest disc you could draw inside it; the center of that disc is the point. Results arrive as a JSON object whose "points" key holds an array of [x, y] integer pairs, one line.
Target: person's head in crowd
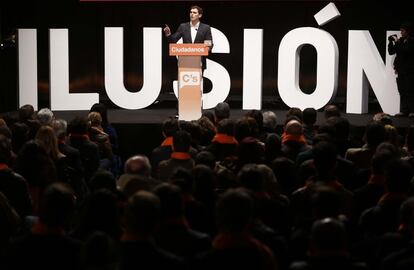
{"points": [[170, 126], [392, 135], [207, 130], [139, 165], [102, 110], [181, 141], [6, 132], [328, 238], [226, 126], [296, 112], [206, 158], [398, 175], [269, 121], [245, 127], [171, 198], [234, 211], [250, 151], [99, 252], [251, 177], [100, 212], [374, 134], [142, 214], [286, 174], [95, 119], [325, 203], [269, 179], [45, 116], [194, 129], [381, 159], [46, 137], [258, 116], [221, 111], [309, 116], [409, 139], [57, 206], [183, 178], [273, 147], [209, 114], [20, 135], [5, 150], [327, 128], [60, 127], [406, 215], [324, 159], [331, 110], [78, 125], [341, 126], [382, 117], [2, 122], [204, 183], [102, 179], [294, 127], [26, 112], [406, 29]]}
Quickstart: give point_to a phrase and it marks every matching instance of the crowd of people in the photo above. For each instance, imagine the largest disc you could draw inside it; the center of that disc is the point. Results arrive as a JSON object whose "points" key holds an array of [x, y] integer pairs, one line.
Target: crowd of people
{"points": [[256, 192]]}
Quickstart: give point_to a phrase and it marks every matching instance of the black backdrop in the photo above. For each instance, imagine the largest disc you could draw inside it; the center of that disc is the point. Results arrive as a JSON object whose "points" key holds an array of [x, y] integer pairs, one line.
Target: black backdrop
{"points": [[86, 22]]}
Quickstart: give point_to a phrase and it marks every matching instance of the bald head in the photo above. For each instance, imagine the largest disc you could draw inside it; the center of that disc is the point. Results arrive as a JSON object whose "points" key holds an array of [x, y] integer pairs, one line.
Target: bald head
{"points": [[139, 165], [294, 127]]}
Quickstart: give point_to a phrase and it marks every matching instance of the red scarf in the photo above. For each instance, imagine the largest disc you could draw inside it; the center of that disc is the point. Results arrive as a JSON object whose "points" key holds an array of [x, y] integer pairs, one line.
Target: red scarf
{"points": [[3, 167], [224, 139], [167, 142], [180, 155], [376, 179], [41, 229]]}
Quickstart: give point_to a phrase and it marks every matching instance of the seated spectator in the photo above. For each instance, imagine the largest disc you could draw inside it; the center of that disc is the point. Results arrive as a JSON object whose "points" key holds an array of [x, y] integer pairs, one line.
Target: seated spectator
{"points": [[97, 135], [234, 247], [181, 157], [47, 246], [328, 248], [174, 234], [79, 139], [13, 186], [138, 250]]}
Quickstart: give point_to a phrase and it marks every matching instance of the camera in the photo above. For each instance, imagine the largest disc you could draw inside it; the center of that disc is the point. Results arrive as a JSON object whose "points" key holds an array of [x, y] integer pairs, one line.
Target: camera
{"points": [[392, 38]]}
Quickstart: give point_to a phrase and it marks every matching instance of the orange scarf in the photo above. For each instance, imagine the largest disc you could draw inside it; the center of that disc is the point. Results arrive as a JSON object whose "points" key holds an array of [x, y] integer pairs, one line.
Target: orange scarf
{"points": [[224, 139], [297, 138], [3, 166], [167, 142], [180, 155]]}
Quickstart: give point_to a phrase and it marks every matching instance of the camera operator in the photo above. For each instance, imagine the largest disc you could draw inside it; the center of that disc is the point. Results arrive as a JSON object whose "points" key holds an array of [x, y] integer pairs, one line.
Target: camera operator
{"points": [[403, 47]]}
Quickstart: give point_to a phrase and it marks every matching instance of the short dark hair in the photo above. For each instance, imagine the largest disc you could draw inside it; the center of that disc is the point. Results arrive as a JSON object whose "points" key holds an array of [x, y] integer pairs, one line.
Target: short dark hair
{"points": [[199, 9]]}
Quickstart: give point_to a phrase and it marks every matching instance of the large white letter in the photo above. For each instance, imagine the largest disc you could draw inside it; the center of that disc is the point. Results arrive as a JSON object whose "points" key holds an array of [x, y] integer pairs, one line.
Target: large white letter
{"points": [[216, 73], [60, 98], [252, 69], [288, 67], [27, 42], [114, 68], [366, 65]]}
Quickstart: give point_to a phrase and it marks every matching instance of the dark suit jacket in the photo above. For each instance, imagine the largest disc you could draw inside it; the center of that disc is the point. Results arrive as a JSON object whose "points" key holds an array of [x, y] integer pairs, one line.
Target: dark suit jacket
{"points": [[184, 31]]}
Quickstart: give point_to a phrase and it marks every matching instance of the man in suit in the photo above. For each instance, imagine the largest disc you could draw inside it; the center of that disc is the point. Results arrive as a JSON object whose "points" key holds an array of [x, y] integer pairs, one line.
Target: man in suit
{"points": [[193, 31]]}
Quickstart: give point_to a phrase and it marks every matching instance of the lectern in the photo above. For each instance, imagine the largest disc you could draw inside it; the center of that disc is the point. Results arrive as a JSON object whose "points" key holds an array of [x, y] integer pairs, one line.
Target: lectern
{"points": [[190, 79]]}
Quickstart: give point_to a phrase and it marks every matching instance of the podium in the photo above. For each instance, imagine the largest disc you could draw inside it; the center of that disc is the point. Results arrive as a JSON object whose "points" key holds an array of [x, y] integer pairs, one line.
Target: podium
{"points": [[190, 79]]}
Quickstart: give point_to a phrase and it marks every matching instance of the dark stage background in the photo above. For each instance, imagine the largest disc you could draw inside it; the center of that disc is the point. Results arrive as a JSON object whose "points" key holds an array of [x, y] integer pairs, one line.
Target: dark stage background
{"points": [[86, 22]]}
